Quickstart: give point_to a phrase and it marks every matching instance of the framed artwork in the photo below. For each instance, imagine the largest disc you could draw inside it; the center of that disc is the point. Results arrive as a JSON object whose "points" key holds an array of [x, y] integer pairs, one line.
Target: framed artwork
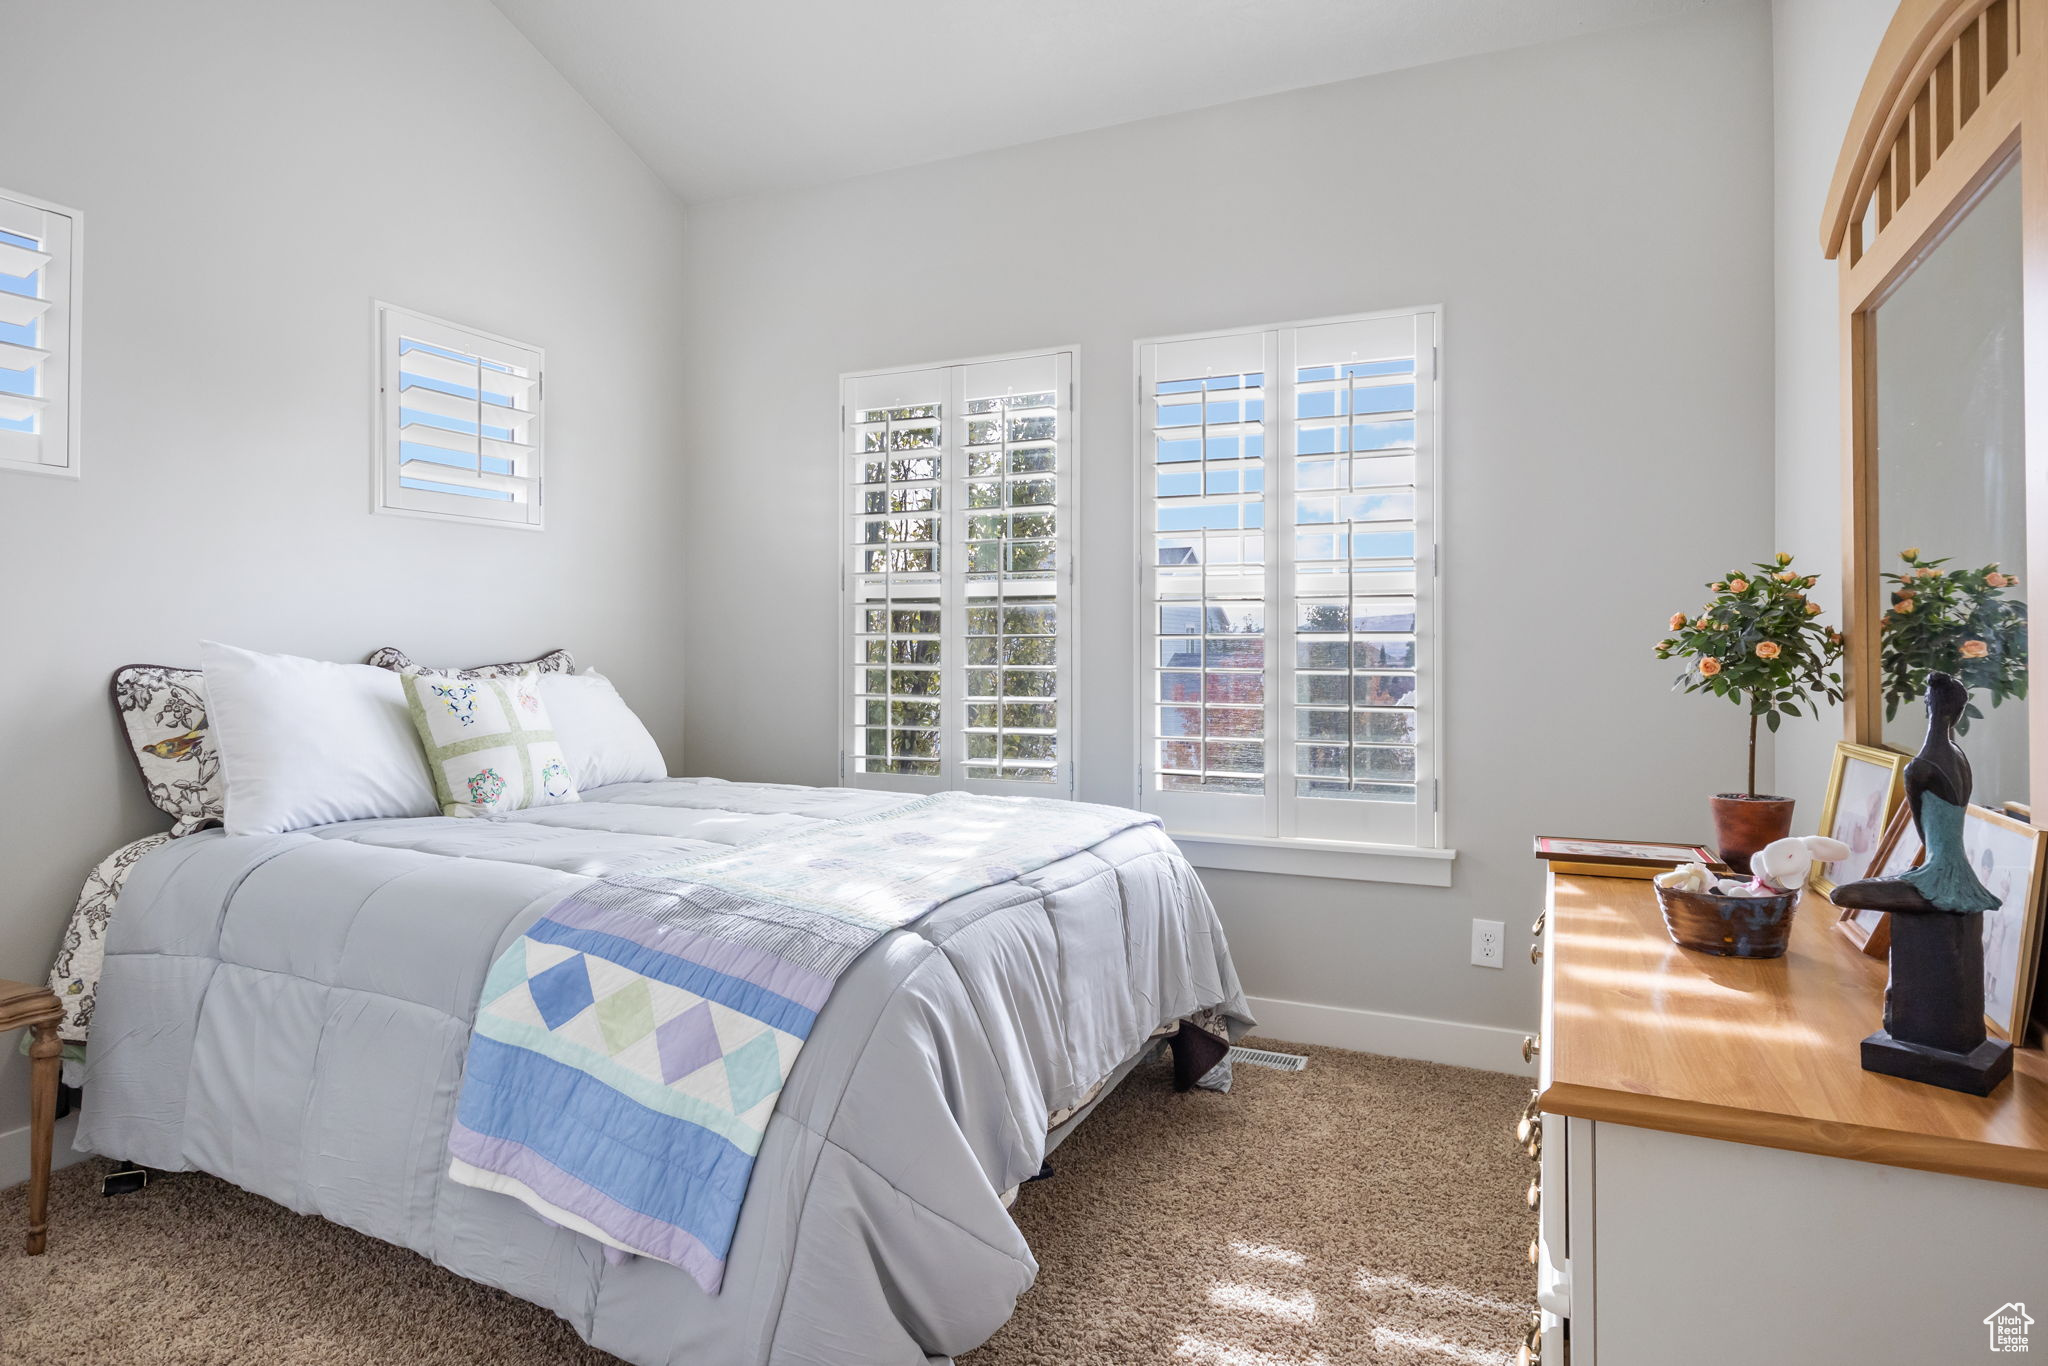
{"points": [[1871, 931], [1619, 858], [1619, 851], [2006, 855], [1864, 788]]}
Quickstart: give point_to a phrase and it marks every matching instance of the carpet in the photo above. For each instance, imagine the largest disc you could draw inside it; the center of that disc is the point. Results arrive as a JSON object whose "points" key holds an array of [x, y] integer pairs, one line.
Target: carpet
{"points": [[1365, 1211]]}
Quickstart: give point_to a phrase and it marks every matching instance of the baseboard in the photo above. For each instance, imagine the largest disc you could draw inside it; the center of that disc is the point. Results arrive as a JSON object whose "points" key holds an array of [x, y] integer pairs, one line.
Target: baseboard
{"points": [[14, 1151], [1487, 1047]]}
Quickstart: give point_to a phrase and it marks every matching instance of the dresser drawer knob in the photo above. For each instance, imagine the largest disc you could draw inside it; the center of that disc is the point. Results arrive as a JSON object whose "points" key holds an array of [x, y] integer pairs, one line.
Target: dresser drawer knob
{"points": [[1535, 953], [1537, 928], [1535, 1251], [1535, 1195], [1533, 1146], [1532, 1044]]}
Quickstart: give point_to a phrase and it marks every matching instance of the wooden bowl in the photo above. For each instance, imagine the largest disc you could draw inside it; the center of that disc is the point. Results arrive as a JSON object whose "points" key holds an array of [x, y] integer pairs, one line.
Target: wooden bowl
{"points": [[1731, 926]]}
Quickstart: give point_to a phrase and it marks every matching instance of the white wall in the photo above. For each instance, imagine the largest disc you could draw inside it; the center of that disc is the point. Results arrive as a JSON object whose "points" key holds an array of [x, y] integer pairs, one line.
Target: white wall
{"points": [[1821, 50], [1594, 216], [252, 174]]}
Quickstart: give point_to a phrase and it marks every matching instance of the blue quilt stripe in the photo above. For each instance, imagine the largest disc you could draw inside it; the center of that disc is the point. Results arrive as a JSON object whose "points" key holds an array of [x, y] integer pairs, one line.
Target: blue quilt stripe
{"points": [[734, 993], [665, 1168]]}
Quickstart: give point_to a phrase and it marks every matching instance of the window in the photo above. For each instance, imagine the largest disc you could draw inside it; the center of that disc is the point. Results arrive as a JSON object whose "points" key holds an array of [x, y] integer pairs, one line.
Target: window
{"points": [[39, 251], [459, 428], [1289, 678], [958, 535]]}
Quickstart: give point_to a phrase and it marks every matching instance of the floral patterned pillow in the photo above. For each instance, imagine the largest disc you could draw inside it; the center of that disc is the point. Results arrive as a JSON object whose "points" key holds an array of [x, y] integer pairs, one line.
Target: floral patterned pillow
{"points": [[396, 660], [163, 709], [490, 744]]}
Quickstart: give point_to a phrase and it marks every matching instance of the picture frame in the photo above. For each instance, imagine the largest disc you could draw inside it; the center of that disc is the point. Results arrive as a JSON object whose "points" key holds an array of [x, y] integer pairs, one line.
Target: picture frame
{"points": [[1865, 785], [1871, 931], [2007, 857], [1619, 858]]}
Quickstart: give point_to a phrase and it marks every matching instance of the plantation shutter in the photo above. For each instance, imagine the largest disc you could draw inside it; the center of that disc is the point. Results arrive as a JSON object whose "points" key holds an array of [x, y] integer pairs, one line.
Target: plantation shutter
{"points": [[462, 422], [38, 306], [1288, 671], [959, 576]]}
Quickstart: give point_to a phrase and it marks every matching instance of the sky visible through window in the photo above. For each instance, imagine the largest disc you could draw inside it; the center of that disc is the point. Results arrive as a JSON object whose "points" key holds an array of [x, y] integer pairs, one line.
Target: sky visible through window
{"points": [[416, 450], [22, 334]]}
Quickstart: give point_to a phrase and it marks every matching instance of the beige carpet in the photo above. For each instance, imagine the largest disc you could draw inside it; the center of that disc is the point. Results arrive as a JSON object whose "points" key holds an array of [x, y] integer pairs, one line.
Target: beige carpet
{"points": [[1367, 1210]]}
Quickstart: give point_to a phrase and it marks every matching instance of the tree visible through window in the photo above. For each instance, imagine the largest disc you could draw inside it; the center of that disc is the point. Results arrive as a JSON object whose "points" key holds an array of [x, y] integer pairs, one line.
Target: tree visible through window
{"points": [[958, 581]]}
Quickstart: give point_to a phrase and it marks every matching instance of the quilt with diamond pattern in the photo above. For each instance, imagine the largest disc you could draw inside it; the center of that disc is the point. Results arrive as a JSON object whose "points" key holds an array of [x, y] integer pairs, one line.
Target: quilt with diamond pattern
{"points": [[630, 1046]]}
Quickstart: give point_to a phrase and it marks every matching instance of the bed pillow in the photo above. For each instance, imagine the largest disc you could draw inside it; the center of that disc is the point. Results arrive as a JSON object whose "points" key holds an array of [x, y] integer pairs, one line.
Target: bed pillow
{"points": [[304, 742], [398, 661], [602, 738], [490, 745], [163, 710]]}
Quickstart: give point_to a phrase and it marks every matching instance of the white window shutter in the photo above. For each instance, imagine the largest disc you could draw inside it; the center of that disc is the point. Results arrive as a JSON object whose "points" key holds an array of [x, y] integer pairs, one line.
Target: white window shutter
{"points": [[1288, 490], [39, 334], [459, 428], [958, 586]]}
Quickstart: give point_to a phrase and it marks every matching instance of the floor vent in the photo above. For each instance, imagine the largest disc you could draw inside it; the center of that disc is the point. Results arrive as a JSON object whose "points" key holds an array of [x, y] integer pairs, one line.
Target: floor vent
{"points": [[1259, 1057]]}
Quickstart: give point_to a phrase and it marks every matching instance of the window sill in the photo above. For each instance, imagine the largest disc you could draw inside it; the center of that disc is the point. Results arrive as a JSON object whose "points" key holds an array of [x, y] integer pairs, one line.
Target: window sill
{"points": [[1320, 858]]}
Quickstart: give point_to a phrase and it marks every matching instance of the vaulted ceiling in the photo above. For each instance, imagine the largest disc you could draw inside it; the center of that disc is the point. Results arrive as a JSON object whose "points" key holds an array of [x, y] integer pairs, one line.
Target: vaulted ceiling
{"points": [[734, 97]]}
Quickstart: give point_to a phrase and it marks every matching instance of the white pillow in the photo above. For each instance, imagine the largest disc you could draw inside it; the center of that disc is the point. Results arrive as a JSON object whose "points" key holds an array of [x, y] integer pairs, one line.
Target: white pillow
{"points": [[600, 736], [304, 742]]}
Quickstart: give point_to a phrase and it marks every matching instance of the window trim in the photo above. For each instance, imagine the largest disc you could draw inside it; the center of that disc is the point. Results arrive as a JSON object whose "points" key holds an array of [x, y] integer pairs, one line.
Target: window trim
{"points": [[73, 258], [1425, 862], [953, 522], [384, 453]]}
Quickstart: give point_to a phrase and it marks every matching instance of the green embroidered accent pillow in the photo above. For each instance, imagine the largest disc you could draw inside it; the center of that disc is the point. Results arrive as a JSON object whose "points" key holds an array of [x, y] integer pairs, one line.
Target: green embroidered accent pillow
{"points": [[490, 745]]}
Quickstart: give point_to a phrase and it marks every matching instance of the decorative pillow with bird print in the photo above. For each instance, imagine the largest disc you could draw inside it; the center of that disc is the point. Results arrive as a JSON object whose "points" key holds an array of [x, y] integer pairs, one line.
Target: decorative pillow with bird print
{"points": [[490, 745], [163, 709]]}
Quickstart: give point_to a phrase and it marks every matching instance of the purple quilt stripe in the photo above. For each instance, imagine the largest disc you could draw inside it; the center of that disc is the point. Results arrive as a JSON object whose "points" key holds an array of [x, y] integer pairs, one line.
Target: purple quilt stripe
{"points": [[665, 1242], [765, 970]]}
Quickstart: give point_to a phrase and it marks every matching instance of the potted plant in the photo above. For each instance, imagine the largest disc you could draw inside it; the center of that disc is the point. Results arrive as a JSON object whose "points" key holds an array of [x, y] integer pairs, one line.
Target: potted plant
{"points": [[1759, 643], [1953, 621]]}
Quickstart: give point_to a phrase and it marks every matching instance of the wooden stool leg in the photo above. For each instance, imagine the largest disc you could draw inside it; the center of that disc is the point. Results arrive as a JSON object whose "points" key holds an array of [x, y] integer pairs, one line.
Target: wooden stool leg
{"points": [[44, 1052]]}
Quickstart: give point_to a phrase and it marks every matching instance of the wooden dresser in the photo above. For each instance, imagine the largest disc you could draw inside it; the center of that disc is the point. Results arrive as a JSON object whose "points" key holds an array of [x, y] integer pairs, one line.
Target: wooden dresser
{"points": [[1720, 1181]]}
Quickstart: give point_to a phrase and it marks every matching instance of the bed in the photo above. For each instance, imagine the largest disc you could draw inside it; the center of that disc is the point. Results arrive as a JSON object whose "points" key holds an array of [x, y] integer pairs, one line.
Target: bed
{"points": [[292, 1013]]}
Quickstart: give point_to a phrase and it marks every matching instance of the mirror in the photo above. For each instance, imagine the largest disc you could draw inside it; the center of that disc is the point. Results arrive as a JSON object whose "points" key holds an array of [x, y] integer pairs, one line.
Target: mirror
{"points": [[1951, 471]]}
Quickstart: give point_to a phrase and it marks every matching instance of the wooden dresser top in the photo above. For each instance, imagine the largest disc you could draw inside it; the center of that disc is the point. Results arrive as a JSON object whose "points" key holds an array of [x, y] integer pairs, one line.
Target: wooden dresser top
{"points": [[1639, 1031]]}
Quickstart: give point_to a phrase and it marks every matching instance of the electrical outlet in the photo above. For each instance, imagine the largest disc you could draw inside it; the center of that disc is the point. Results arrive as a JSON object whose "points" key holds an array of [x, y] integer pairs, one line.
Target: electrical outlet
{"points": [[1488, 948]]}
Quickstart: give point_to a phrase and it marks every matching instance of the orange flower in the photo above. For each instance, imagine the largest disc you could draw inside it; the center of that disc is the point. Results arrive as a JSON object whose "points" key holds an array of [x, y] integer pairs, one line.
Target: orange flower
{"points": [[1738, 585], [1813, 609], [1910, 553], [1995, 580], [1702, 623], [1768, 649], [1718, 587], [1812, 579], [1709, 667], [1785, 576], [1975, 649], [1783, 558], [1903, 605], [1928, 572], [1677, 620]]}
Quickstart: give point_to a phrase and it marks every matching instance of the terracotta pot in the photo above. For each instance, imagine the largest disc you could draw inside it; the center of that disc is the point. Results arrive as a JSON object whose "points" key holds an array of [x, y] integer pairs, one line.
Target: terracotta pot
{"points": [[1744, 824], [1731, 926]]}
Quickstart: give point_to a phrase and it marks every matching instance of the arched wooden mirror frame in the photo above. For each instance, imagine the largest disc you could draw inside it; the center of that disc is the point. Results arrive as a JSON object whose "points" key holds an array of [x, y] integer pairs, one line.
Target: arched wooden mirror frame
{"points": [[1954, 97]]}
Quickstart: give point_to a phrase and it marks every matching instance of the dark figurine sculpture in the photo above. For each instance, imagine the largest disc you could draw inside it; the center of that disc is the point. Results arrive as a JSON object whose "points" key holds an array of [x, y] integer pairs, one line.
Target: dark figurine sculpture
{"points": [[1934, 1003]]}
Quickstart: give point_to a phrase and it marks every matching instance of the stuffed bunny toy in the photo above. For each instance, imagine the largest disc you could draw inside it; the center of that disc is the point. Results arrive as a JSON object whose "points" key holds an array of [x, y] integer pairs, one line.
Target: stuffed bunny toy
{"points": [[1781, 865]]}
